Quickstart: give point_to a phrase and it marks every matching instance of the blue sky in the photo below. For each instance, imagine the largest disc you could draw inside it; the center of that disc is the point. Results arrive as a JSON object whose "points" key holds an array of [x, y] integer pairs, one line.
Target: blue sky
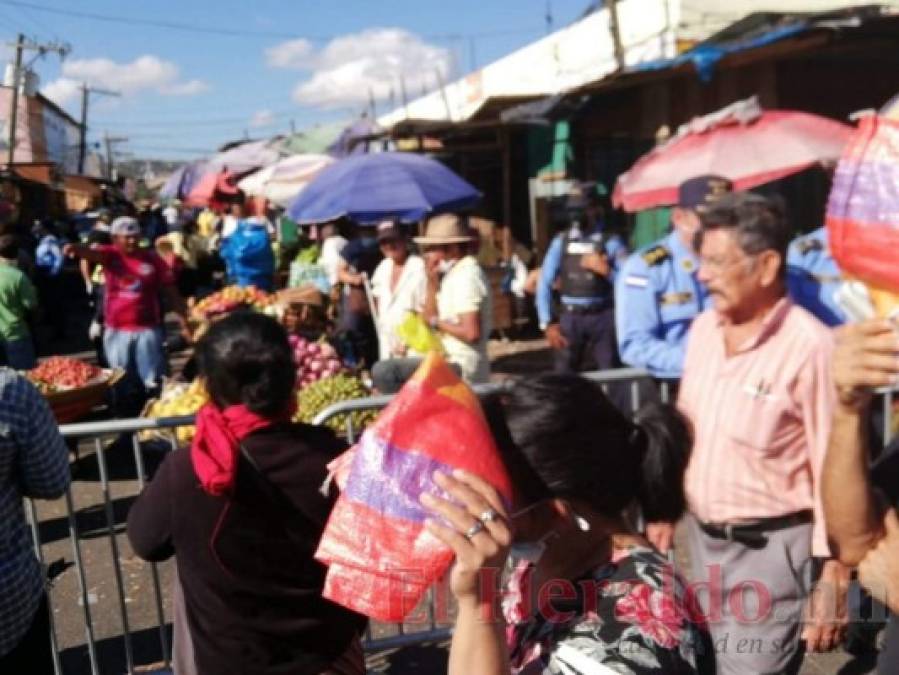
{"points": [[185, 93]]}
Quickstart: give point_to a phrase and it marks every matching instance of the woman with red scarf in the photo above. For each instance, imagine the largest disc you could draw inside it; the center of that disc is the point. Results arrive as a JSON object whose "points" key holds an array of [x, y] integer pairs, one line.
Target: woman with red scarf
{"points": [[242, 513]]}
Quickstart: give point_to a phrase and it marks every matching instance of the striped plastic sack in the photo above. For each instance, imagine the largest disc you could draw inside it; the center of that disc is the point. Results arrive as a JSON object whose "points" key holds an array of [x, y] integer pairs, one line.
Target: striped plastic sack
{"points": [[863, 209], [381, 560]]}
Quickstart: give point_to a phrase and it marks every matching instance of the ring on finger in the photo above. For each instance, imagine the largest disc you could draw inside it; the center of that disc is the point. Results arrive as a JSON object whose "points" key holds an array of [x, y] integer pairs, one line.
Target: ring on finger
{"points": [[488, 516], [475, 529]]}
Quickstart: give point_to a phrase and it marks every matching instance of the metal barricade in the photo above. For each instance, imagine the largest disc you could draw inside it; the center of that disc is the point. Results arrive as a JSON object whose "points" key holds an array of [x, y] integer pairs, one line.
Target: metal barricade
{"points": [[86, 624]]}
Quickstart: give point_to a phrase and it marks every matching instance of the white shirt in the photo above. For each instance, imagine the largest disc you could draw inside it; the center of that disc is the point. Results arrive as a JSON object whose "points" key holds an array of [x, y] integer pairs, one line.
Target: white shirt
{"points": [[229, 225], [394, 304], [465, 289], [170, 213], [330, 256]]}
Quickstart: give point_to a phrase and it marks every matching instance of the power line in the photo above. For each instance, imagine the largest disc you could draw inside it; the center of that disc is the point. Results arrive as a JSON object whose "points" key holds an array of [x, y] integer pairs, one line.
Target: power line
{"points": [[156, 23], [232, 32]]}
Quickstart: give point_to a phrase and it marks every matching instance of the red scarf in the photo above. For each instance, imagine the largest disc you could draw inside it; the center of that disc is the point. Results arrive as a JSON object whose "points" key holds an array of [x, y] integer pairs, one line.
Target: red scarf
{"points": [[214, 451]]}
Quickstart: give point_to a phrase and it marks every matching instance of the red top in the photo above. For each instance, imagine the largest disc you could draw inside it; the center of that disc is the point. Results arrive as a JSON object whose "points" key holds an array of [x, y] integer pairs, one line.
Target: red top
{"points": [[133, 284]]}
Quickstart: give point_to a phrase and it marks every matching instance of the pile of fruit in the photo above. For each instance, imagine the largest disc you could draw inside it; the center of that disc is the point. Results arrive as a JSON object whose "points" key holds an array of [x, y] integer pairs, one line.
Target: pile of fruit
{"points": [[179, 400], [314, 398], [315, 360], [59, 373], [230, 298]]}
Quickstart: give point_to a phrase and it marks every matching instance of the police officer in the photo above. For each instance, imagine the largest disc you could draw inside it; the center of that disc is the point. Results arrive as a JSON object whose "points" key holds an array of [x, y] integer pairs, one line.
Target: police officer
{"points": [[658, 294], [813, 277], [583, 259]]}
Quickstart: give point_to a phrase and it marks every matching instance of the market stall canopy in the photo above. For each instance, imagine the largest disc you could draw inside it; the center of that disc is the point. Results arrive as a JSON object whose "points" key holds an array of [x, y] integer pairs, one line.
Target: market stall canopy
{"points": [[315, 140], [742, 142], [355, 138], [282, 181], [182, 181], [249, 156], [372, 187], [214, 189]]}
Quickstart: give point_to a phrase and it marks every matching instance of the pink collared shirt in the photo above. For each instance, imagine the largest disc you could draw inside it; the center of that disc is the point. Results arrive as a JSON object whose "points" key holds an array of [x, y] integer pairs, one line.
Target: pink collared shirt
{"points": [[761, 419]]}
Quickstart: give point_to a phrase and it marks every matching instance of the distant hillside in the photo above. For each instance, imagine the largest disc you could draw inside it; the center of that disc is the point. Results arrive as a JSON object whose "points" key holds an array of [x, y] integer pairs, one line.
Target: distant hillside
{"points": [[139, 168]]}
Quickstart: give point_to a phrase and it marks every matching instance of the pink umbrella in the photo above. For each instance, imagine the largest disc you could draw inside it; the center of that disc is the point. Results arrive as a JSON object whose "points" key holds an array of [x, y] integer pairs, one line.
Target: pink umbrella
{"points": [[741, 142], [212, 189]]}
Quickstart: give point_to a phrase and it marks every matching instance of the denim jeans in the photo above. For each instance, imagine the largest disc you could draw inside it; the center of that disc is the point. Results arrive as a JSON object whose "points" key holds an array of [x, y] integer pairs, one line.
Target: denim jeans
{"points": [[20, 354], [136, 351]]}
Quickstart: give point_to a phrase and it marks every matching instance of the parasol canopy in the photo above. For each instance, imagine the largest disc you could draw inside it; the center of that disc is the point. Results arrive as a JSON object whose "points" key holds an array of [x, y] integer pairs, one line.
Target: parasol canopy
{"points": [[373, 187], [282, 181], [742, 142]]}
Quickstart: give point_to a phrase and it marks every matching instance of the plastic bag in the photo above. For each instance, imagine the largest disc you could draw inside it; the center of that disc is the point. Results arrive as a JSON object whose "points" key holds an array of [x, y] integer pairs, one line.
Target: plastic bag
{"points": [[249, 258], [418, 336], [863, 209], [381, 559]]}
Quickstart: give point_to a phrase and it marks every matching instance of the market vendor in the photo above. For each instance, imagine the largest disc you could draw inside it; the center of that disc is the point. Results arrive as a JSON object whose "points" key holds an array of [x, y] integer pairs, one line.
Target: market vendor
{"points": [[135, 278], [457, 305], [304, 312]]}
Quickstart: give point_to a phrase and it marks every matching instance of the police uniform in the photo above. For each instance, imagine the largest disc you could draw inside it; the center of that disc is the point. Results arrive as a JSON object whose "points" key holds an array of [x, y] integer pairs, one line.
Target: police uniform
{"points": [[658, 293], [657, 296], [587, 318], [813, 277]]}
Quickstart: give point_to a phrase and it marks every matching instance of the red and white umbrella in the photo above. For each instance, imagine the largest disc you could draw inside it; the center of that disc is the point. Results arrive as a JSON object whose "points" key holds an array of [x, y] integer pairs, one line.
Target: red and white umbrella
{"points": [[742, 142], [212, 190]]}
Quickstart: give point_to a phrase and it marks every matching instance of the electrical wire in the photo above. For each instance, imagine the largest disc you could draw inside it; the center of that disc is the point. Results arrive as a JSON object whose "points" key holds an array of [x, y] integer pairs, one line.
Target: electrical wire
{"points": [[230, 32]]}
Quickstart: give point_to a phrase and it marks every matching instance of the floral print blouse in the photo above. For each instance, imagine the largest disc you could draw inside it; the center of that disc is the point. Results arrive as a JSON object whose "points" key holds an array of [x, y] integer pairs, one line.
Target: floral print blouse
{"points": [[629, 616]]}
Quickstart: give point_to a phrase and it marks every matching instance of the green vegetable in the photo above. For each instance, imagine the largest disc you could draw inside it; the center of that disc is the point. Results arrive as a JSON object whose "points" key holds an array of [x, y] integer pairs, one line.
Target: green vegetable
{"points": [[315, 397]]}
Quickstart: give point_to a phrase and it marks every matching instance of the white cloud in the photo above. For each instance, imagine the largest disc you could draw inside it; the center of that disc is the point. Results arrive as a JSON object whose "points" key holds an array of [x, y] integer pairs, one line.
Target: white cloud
{"points": [[62, 91], [262, 118], [350, 68], [290, 54], [145, 73]]}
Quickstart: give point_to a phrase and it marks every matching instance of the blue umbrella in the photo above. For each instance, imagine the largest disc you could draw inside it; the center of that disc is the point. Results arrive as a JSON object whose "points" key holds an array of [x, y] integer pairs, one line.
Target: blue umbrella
{"points": [[369, 188]]}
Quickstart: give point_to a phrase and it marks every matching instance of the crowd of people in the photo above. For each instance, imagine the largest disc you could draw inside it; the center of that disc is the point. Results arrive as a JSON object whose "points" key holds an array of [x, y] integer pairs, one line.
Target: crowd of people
{"points": [[763, 462]]}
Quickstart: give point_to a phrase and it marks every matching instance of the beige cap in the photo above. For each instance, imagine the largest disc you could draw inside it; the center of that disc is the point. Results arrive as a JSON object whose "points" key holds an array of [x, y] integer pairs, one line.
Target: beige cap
{"points": [[447, 228]]}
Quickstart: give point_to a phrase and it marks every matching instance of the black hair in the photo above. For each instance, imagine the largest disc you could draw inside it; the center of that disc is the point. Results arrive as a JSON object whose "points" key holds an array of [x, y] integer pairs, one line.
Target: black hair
{"points": [[560, 436], [759, 223], [9, 246], [246, 359]]}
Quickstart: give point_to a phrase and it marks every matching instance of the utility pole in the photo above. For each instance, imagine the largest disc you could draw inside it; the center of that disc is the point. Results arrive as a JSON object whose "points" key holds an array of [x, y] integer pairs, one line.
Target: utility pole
{"points": [[86, 91], [20, 45], [14, 110], [615, 27], [109, 142], [293, 127]]}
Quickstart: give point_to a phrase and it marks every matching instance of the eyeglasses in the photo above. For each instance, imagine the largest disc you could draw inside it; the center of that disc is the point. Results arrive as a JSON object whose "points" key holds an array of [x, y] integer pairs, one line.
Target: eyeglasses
{"points": [[717, 264]]}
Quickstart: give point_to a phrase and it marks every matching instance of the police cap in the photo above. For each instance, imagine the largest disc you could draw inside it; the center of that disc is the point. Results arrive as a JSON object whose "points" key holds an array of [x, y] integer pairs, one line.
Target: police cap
{"points": [[698, 193]]}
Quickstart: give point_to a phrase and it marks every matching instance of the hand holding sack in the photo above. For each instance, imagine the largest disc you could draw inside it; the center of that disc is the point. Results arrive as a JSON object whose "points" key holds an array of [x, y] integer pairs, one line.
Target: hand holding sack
{"points": [[381, 559]]}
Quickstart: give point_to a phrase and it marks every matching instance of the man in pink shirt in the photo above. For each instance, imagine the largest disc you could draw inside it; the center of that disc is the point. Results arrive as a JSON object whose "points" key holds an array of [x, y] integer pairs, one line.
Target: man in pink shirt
{"points": [[135, 281], [758, 390]]}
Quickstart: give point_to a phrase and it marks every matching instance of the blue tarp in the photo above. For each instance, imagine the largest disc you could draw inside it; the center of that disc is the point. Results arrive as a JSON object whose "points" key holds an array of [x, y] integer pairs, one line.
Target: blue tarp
{"points": [[706, 55]]}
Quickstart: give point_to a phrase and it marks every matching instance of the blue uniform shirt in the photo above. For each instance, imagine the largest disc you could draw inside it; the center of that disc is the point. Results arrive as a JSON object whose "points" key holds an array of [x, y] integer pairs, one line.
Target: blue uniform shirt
{"points": [[657, 296], [615, 249], [813, 277]]}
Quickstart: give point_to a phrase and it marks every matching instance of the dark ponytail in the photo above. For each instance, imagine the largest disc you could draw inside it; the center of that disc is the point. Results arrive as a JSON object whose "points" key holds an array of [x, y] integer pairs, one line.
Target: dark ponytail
{"points": [[663, 437], [560, 436]]}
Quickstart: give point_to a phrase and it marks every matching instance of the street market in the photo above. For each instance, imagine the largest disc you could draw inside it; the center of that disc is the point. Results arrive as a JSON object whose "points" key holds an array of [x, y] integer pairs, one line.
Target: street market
{"points": [[584, 360]]}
